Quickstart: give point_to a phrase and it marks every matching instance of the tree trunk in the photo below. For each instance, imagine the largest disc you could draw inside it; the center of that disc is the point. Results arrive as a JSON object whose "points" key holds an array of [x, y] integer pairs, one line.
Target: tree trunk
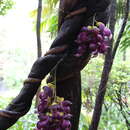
{"points": [[70, 89]]}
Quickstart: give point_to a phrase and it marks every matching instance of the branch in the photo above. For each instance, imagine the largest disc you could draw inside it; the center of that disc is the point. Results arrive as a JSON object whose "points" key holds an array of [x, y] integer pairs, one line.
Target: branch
{"points": [[39, 51], [120, 106]]}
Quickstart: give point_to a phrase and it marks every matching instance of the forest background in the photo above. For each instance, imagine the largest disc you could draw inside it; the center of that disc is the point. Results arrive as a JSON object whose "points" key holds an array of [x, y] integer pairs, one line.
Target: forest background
{"points": [[18, 51]]}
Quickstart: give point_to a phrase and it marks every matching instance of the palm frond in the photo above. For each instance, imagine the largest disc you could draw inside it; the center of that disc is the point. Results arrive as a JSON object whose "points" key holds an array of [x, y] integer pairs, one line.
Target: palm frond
{"points": [[125, 42]]}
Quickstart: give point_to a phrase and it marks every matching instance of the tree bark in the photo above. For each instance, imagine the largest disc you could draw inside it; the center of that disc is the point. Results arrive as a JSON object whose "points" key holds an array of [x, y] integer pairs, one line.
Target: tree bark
{"points": [[70, 89]]}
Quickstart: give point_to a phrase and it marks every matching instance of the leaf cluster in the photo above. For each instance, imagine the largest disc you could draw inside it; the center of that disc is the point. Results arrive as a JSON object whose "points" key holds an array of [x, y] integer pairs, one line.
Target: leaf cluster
{"points": [[125, 42], [49, 18], [119, 77], [5, 5]]}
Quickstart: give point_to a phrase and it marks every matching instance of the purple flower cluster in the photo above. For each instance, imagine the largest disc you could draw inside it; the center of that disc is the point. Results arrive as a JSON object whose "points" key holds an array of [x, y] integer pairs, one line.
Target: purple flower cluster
{"points": [[96, 38], [53, 112]]}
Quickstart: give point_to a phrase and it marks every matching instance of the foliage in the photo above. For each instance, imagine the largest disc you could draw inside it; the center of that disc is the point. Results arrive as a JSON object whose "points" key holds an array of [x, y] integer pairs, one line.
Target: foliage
{"points": [[109, 120], [85, 120], [120, 8], [49, 19], [119, 77], [4, 101], [5, 5], [112, 119], [125, 42], [90, 81], [28, 122]]}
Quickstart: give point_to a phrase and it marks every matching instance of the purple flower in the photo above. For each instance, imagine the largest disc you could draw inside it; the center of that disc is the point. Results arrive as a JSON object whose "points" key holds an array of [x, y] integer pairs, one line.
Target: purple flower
{"points": [[99, 37], [101, 26], [48, 91], [57, 115], [53, 116], [66, 124], [42, 96], [106, 32], [110, 37], [92, 46], [67, 109], [95, 30], [96, 38], [42, 124], [102, 48], [67, 116], [42, 106], [82, 37], [55, 107], [83, 29], [43, 117], [91, 38], [66, 103]]}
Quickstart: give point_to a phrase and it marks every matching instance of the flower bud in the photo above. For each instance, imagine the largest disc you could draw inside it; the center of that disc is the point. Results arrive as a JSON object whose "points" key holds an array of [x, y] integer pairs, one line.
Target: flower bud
{"points": [[66, 103], [93, 46], [67, 116], [99, 37], [48, 91], [42, 124], [84, 29], [67, 109], [101, 26], [66, 124], [106, 32], [82, 37]]}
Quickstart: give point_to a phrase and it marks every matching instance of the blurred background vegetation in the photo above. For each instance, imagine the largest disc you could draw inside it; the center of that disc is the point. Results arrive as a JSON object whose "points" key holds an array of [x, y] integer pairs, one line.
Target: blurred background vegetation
{"points": [[18, 52]]}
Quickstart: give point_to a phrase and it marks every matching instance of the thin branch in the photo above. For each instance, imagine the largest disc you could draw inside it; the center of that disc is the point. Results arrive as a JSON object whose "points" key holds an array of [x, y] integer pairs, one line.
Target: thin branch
{"points": [[39, 50], [121, 107]]}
